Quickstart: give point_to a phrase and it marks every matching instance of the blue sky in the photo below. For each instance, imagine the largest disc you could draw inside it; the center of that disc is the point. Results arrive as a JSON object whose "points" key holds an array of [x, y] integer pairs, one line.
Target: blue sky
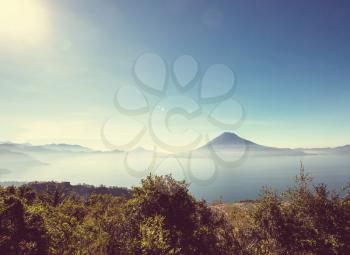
{"points": [[62, 61]]}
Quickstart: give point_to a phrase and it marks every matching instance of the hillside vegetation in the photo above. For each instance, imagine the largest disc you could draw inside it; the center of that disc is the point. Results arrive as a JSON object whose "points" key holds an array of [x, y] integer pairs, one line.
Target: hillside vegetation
{"points": [[161, 217], [80, 190]]}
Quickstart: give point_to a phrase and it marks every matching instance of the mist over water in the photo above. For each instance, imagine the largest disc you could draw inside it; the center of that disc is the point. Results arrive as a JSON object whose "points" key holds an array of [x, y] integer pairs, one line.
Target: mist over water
{"points": [[238, 183]]}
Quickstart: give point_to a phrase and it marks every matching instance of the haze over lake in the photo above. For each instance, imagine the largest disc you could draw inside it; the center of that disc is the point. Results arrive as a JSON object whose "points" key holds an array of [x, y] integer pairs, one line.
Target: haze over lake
{"points": [[228, 167], [241, 182]]}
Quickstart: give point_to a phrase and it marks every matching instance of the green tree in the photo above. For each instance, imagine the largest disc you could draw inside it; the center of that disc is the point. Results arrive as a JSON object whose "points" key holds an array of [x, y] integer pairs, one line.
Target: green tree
{"points": [[21, 231], [166, 211], [305, 219]]}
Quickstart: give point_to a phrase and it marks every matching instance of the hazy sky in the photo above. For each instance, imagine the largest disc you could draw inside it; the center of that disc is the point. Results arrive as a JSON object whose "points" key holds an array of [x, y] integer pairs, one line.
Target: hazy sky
{"points": [[62, 62]]}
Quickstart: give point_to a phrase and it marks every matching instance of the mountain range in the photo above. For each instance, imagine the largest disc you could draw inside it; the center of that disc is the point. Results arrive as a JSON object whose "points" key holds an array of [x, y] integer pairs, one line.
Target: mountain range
{"points": [[232, 142], [16, 155], [26, 147], [226, 141], [336, 150]]}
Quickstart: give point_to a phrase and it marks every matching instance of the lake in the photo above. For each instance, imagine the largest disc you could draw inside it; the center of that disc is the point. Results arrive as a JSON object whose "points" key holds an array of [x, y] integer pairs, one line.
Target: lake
{"points": [[231, 183]]}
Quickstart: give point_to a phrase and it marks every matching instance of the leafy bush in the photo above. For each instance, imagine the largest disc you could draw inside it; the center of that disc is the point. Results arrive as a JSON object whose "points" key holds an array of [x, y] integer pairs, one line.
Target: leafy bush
{"points": [[173, 222], [22, 230], [161, 218], [305, 219]]}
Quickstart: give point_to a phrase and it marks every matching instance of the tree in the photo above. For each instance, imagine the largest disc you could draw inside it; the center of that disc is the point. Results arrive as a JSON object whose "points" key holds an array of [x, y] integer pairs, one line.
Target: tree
{"points": [[21, 231], [173, 222], [305, 219]]}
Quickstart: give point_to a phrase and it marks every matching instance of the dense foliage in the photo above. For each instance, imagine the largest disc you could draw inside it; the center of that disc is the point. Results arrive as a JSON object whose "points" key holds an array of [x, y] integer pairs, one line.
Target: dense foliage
{"points": [[161, 217], [305, 219]]}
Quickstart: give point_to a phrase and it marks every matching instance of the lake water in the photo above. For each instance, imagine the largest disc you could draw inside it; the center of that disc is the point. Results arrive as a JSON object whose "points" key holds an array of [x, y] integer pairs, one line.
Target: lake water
{"points": [[233, 183]]}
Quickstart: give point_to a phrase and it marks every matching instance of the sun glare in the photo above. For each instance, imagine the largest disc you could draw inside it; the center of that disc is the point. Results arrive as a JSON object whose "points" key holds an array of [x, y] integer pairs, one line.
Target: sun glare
{"points": [[23, 21]]}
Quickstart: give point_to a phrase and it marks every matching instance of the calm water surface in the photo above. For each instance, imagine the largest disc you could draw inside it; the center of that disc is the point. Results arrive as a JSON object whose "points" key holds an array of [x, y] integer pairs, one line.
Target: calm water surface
{"points": [[242, 182]]}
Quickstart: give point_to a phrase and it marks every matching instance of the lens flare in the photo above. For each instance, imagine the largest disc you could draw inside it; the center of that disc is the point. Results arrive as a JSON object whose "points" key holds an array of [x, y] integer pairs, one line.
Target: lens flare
{"points": [[23, 21]]}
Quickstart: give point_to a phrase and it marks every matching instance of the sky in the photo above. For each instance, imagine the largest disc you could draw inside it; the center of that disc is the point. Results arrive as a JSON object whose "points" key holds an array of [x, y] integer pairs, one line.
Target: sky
{"points": [[63, 61]]}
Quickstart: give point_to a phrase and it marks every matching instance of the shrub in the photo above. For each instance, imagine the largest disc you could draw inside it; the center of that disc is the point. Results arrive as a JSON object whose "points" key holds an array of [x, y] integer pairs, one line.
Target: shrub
{"points": [[305, 219]]}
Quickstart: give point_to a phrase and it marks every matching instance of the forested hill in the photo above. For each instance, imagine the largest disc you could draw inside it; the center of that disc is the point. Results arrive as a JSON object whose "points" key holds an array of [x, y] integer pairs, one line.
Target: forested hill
{"points": [[82, 190], [163, 218]]}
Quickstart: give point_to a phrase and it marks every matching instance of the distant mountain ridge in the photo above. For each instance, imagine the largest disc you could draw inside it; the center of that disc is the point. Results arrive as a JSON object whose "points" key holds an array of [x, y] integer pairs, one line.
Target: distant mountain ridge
{"points": [[329, 150], [18, 147], [225, 141], [67, 147], [7, 156], [228, 141]]}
